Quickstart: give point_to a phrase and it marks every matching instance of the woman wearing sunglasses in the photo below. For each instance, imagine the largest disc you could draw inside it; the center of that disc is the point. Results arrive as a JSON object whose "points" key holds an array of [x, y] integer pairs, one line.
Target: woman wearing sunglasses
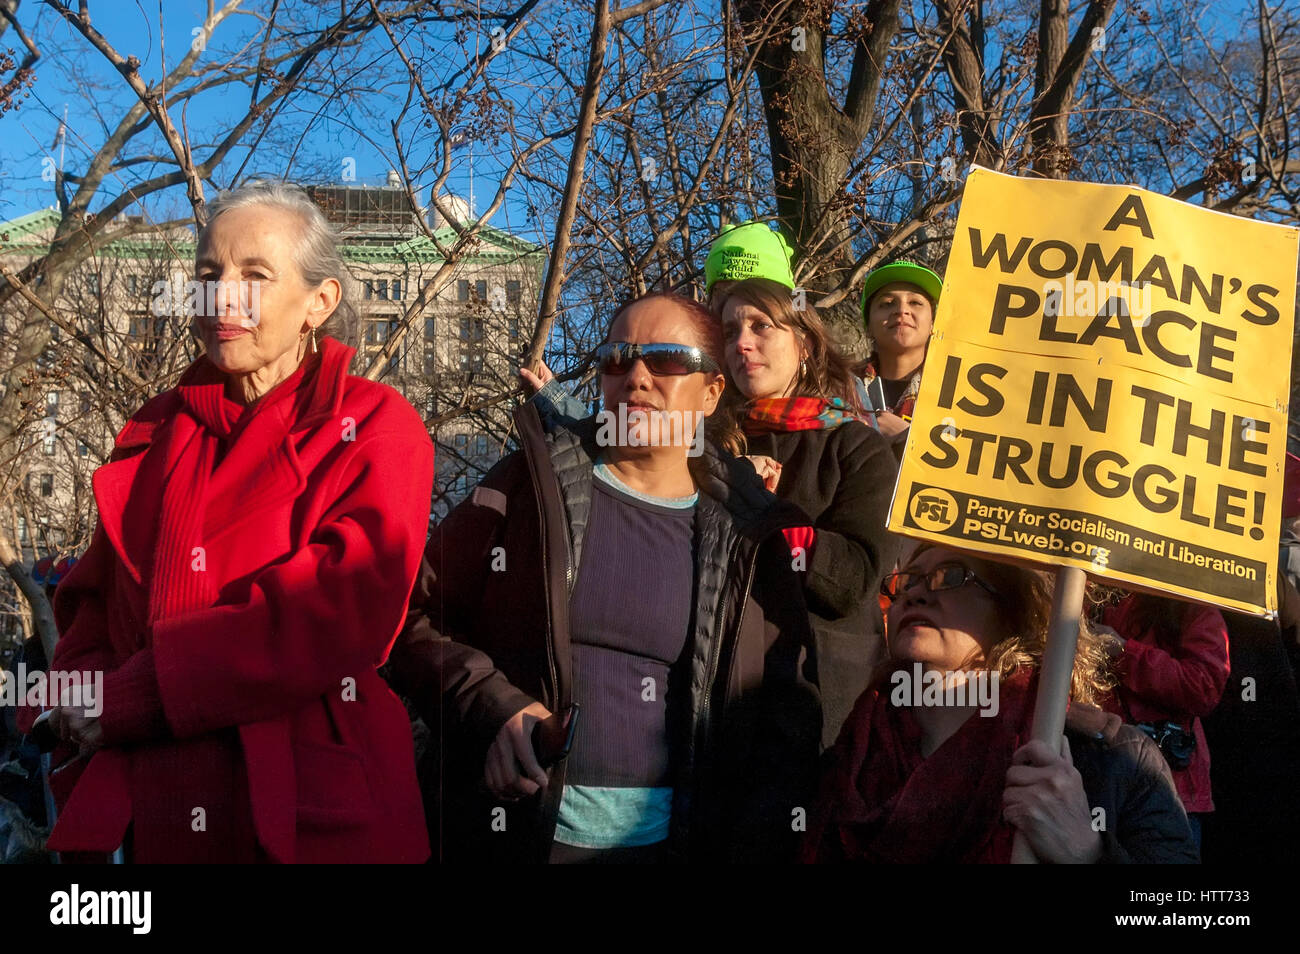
{"points": [[795, 398], [620, 593], [932, 768]]}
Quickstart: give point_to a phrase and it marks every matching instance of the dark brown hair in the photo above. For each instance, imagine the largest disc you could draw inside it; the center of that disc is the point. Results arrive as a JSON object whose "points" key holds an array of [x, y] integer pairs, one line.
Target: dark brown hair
{"points": [[826, 372]]}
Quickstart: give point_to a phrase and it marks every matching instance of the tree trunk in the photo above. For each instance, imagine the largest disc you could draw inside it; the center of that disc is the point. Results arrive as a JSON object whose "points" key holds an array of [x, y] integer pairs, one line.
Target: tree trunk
{"points": [[42, 613]]}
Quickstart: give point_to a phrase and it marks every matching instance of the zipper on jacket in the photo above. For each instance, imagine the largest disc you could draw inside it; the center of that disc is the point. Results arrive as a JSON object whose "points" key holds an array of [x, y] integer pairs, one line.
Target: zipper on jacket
{"points": [[531, 454], [707, 702]]}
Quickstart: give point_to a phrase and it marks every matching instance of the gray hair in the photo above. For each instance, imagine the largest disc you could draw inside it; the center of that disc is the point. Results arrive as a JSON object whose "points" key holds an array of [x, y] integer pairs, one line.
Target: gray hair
{"points": [[317, 251]]}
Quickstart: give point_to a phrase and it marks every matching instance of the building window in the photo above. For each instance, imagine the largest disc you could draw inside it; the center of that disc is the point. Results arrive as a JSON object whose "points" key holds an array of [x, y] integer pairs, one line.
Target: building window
{"points": [[48, 446], [92, 282], [367, 289], [82, 449], [379, 330], [514, 329], [430, 328], [462, 291], [476, 361], [381, 289], [462, 443], [514, 293], [480, 291], [133, 284], [85, 402], [22, 530], [47, 485], [397, 289], [471, 330], [430, 362], [52, 404], [480, 445]]}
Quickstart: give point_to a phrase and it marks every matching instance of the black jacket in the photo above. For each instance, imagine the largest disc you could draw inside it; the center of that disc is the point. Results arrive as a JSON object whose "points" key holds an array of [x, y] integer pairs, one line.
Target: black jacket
{"points": [[1254, 738], [487, 634], [1126, 777], [843, 479]]}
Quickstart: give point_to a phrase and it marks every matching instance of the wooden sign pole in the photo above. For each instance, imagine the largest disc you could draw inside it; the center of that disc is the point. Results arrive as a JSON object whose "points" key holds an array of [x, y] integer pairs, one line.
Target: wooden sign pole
{"points": [[1054, 677]]}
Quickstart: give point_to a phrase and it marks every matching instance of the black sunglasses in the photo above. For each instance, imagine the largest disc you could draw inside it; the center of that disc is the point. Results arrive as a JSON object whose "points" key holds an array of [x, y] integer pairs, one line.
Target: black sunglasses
{"points": [[945, 576], [617, 357]]}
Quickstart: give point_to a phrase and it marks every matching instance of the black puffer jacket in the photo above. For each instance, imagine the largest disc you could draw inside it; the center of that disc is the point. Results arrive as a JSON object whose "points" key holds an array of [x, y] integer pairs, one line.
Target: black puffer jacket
{"points": [[842, 479], [488, 633]]}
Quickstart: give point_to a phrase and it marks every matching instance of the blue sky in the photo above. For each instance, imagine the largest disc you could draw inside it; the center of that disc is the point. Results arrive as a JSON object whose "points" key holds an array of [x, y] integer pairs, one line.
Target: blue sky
{"points": [[27, 135]]}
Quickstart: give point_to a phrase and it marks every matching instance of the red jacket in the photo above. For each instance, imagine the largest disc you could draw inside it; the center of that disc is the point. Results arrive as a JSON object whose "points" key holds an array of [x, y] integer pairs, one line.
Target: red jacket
{"points": [[242, 715], [1179, 686]]}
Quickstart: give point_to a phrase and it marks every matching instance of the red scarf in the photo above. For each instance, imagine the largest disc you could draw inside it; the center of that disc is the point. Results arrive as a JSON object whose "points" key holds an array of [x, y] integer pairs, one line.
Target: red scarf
{"points": [[196, 444], [882, 802], [796, 414]]}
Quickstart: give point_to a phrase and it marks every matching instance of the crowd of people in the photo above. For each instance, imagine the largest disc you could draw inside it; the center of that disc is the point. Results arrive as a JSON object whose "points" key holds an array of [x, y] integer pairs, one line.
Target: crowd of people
{"points": [[624, 651]]}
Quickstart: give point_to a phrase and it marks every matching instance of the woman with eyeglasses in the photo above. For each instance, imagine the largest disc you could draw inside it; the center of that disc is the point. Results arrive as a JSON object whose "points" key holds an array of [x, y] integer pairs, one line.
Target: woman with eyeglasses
{"points": [[619, 591], [935, 763]]}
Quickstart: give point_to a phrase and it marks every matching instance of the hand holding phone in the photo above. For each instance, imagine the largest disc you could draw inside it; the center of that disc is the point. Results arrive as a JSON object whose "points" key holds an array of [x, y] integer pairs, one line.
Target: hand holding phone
{"points": [[553, 736]]}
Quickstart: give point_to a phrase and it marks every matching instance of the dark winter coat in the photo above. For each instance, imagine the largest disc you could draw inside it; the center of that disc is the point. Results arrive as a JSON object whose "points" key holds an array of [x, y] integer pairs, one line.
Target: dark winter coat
{"points": [[1255, 736], [488, 634], [842, 479]]}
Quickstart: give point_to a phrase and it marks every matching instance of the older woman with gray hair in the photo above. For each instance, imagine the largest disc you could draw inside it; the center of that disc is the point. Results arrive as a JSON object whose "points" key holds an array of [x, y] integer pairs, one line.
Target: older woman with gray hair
{"points": [[260, 528]]}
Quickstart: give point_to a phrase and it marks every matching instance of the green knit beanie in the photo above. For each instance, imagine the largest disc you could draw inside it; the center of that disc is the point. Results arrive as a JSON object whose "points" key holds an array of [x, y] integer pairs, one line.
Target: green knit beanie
{"points": [[748, 250]]}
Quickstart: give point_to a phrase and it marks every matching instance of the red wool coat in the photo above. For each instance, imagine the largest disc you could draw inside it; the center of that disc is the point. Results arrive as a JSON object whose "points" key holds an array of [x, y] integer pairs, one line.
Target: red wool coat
{"points": [[250, 571], [1181, 686]]}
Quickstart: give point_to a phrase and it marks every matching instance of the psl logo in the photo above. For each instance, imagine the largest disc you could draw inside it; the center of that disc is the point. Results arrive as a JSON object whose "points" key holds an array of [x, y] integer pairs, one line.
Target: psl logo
{"points": [[933, 509]]}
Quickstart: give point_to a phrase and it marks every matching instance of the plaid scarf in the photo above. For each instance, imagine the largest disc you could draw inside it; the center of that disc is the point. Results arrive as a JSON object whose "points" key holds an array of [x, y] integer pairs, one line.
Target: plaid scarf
{"points": [[765, 415]]}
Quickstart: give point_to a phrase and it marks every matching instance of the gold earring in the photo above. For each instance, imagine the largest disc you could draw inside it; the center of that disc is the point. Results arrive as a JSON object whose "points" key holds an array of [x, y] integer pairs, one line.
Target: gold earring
{"points": [[315, 348]]}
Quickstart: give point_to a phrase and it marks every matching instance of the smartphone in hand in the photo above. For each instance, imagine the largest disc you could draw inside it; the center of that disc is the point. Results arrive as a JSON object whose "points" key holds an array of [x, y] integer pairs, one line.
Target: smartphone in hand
{"points": [[553, 736]]}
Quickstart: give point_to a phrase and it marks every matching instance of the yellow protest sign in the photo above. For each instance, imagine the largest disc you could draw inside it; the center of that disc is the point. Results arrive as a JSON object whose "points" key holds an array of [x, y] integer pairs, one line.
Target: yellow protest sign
{"points": [[1106, 388]]}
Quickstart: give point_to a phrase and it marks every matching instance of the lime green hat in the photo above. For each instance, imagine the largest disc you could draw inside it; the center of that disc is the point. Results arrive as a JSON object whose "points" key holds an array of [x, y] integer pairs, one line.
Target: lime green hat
{"points": [[748, 250], [902, 271]]}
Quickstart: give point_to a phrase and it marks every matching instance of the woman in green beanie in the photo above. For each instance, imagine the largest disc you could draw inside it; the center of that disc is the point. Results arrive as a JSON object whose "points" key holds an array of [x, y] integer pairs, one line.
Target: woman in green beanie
{"points": [[898, 304]]}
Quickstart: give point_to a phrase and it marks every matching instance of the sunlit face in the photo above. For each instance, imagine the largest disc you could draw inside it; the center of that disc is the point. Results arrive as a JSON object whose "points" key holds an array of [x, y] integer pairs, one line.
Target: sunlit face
{"points": [[899, 319], [946, 629], [656, 321], [254, 245], [763, 358]]}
